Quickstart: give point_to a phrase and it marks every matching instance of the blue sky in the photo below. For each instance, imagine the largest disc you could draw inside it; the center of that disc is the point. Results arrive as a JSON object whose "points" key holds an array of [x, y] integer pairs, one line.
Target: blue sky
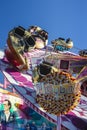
{"points": [[60, 18]]}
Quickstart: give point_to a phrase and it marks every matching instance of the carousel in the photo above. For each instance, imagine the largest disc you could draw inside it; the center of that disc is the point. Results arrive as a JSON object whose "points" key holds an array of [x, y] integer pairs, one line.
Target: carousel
{"points": [[50, 78]]}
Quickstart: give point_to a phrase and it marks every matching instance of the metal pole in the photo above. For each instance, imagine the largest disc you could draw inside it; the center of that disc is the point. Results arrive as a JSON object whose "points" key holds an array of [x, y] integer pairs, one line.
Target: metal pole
{"points": [[59, 122]]}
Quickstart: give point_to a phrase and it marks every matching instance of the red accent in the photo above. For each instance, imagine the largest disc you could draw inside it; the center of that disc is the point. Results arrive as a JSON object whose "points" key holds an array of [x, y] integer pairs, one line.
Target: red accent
{"points": [[11, 58]]}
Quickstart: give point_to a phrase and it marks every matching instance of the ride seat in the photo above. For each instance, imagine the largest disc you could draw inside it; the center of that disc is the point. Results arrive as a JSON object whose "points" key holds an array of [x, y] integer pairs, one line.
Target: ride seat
{"points": [[19, 31]]}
